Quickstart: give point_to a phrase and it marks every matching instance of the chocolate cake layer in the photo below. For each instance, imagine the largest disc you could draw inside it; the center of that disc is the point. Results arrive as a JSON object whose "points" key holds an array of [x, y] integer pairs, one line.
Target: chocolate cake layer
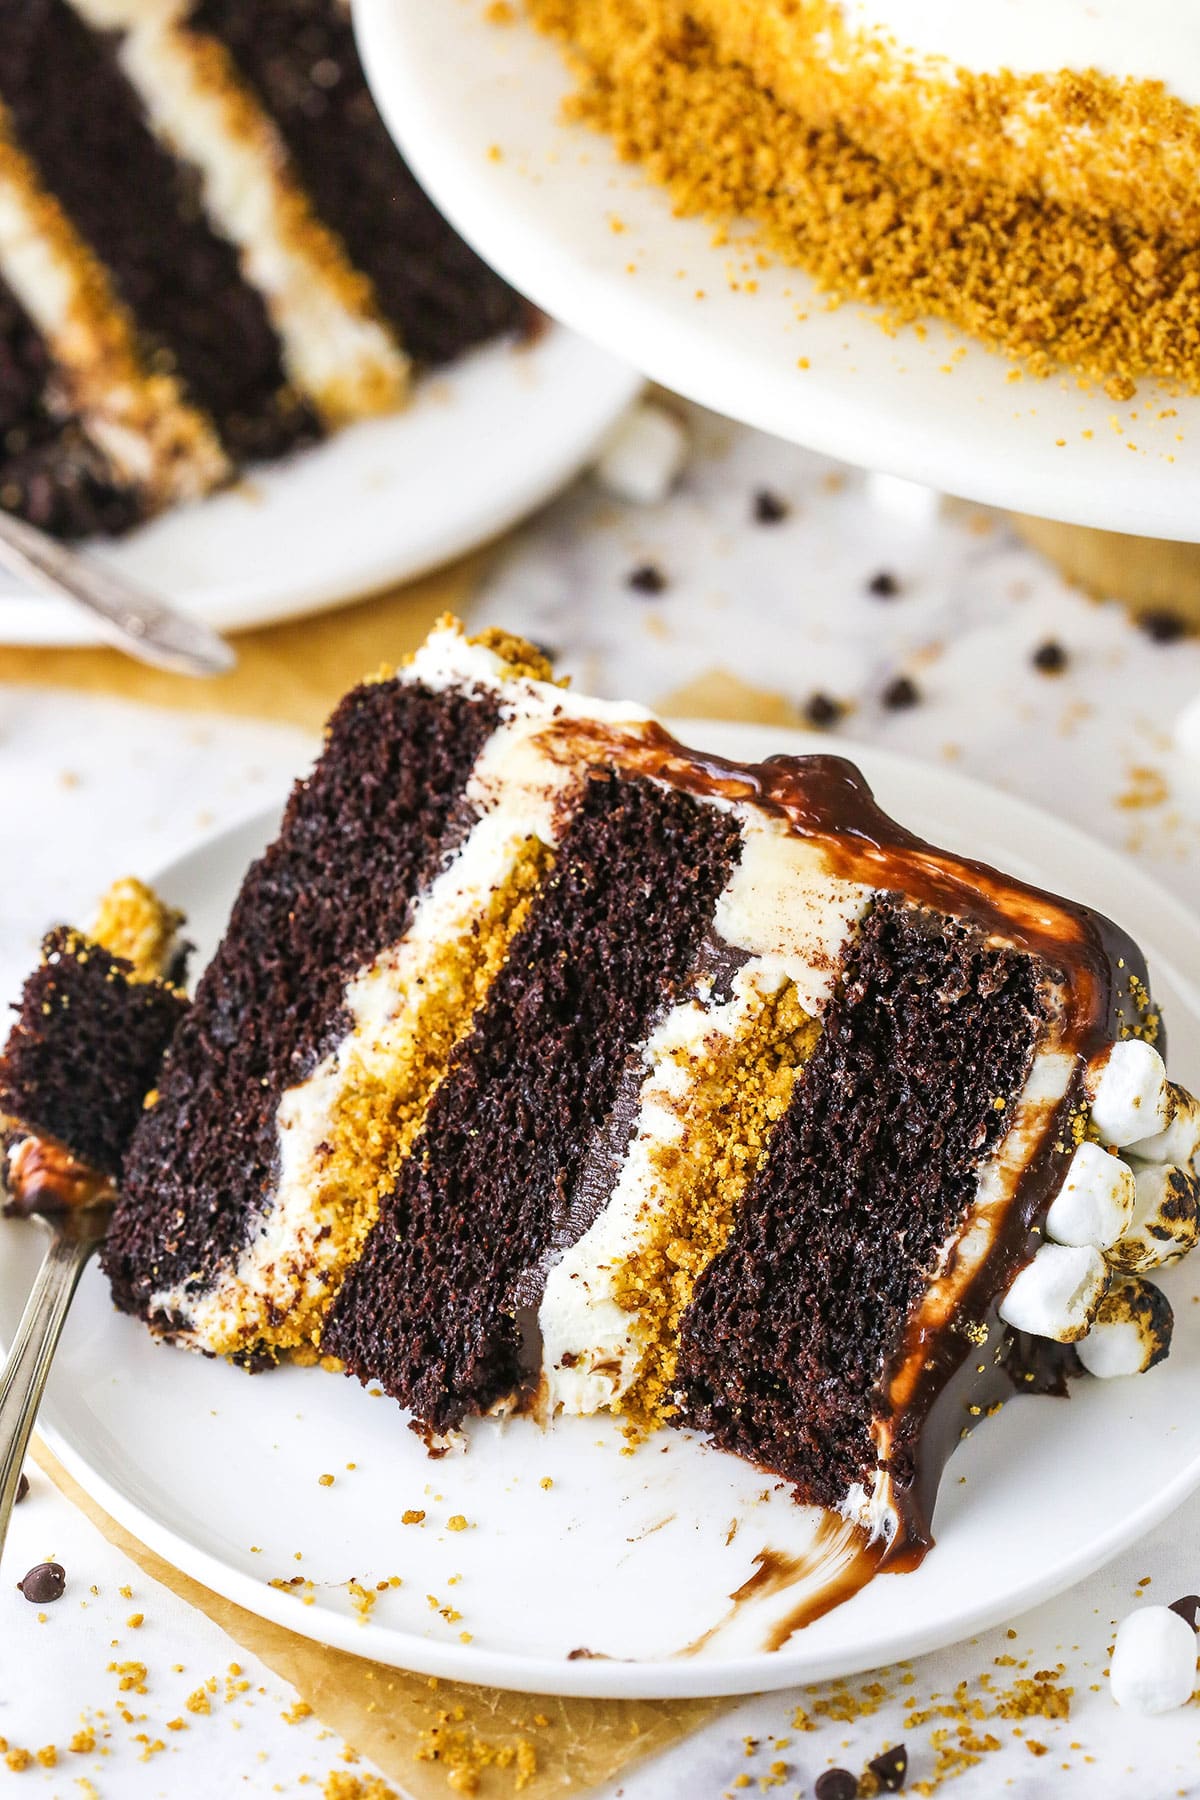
{"points": [[85, 1050], [141, 212], [359, 839], [49, 473], [300, 58], [786, 1350], [429, 1311]]}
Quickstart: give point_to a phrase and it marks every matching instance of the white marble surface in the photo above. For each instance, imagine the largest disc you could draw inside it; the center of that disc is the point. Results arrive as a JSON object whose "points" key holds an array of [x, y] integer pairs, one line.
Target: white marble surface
{"points": [[94, 788]]}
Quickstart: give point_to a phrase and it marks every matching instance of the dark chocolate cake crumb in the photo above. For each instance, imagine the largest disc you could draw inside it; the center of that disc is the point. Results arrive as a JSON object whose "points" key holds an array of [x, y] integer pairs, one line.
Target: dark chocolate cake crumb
{"points": [[647, 578], [884, 585], [890, 1768], [900, 694], [769, 508], [45, 1582], [1162, 626], [823, 711], [836, 1784], [1188, 1608], [1050, 658], [22, 1487]]}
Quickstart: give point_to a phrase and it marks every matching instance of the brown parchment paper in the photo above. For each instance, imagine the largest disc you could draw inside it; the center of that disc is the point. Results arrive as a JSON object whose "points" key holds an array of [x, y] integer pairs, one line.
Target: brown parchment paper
{"points": [[294, 673]]}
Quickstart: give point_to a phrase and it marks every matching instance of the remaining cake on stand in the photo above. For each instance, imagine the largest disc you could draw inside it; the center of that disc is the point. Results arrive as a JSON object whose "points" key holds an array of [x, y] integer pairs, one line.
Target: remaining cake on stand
{"points": [[218, 258], [1024, 169]]}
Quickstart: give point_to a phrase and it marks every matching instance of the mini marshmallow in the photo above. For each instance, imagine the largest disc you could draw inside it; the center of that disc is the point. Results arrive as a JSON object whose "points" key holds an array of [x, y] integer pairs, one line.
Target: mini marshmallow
{"points": [[643, 456], [1127, 1087], [1153, 1668], [1179, 1141], [1057, 1294], [1166, 1219], [1095, 1203], [1131, 1331]]}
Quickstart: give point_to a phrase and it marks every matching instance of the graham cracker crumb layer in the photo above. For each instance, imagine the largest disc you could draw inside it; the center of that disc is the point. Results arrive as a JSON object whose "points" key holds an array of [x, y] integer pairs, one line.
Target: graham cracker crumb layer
{"points": [[131, 921], [875, 220], [521, 658], [737, 1091], [384, 1094]]}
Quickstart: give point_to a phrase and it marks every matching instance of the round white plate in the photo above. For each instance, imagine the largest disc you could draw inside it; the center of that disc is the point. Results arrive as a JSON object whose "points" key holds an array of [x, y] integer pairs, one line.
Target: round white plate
{"points": [[629, 1557], [590, 240], [482, 443]]}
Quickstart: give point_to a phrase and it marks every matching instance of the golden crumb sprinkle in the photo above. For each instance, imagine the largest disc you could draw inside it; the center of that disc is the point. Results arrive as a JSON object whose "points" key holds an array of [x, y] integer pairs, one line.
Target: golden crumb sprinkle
{"points": [[464, 1755], [131, 921], [135, 1621], [522, 659], [413, 1515], [325, 1480], [963, 198], [456, 1522]]}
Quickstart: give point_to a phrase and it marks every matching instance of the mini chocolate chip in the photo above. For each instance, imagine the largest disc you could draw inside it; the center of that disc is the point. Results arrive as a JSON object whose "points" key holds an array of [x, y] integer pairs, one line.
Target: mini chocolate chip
{"points": [[884, 586], [890, 1768], [22, 1487], [1162, 625], [44, 1582], [769, 509], [900, 693], [646, 579], [836, 1784], [1050, 657], [822, 711], [1188, 1608]]}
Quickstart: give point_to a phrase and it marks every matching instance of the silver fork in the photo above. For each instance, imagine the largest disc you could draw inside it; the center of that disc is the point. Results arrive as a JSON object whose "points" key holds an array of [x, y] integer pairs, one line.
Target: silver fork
{"points": [[74, 1234]]}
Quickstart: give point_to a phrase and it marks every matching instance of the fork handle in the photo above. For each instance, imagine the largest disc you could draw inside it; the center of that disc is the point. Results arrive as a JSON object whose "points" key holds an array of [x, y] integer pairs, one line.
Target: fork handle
{"points": [[24, 1377]]}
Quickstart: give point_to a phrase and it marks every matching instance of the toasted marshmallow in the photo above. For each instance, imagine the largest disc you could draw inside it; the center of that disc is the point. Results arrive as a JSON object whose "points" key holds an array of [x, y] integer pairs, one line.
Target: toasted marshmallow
{"points": [[1166, 1219], [1127, 1088], [1153, 1668], [644, 455], [1057, 1294], [1179, 1141], [1131, 1331], [1095, 1203]]}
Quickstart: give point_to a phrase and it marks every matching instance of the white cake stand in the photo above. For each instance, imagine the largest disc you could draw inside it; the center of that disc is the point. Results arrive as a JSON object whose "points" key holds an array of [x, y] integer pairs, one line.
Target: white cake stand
{"points": [[475, 109]]}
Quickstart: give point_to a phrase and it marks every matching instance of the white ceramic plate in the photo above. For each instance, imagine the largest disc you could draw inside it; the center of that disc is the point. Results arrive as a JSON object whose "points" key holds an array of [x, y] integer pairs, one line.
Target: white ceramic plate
{"points": [[483, 443], [565, 222], [627, 1556]]}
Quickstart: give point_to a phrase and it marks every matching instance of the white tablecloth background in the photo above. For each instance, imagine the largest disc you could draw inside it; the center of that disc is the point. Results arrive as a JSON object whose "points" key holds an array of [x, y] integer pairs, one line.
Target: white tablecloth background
{"points": [[93, 788]]}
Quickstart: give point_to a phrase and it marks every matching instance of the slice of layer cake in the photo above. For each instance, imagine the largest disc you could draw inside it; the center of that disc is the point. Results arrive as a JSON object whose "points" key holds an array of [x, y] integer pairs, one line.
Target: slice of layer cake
{"points": [[1026, 172], [548, 1064], [217, 259]]}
